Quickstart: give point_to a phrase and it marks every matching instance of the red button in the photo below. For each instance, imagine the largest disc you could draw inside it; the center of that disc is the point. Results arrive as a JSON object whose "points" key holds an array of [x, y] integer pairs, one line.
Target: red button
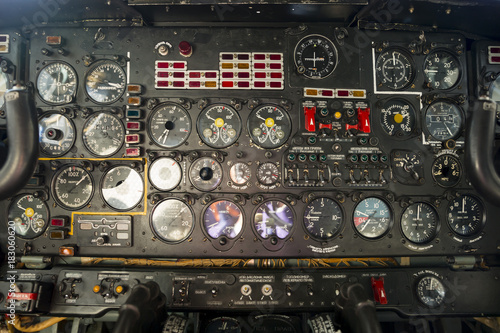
{"points": [[195, 75], [310, 121], [194, 84], [275, 57], [321, 125], [185, 49], [259, 56], [260, 75], [211, 75], [379, 293]]}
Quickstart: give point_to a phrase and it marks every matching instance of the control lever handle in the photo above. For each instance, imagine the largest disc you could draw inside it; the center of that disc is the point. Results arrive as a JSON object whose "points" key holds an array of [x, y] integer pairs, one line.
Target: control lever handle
{"points": [[22, 131]]}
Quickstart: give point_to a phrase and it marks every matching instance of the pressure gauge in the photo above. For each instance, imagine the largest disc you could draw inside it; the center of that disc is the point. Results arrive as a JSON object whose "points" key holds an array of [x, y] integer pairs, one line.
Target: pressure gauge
{"points": [[103, 134], [446, 170], [73, 187], [30, 216], [315, 57], [56, 134], [219, 125], [205, 174], [419, 222], [105, 82], [165, 173], [57, 83], [395, 69], [122, 188], [172, 220]]}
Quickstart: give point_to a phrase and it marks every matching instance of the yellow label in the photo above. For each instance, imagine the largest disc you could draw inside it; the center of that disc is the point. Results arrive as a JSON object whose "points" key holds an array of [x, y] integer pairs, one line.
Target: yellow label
{"points": [[269, 122], [398, 118], [29, 212], [219, 122]]}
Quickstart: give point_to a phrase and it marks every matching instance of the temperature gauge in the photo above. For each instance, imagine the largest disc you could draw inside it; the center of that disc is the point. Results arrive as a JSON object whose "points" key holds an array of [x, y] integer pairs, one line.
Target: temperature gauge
{"points": [[172, 220], [223, 218], [169, 125], [273, 218], [219, 126], [56, 134], [269, 126], [205, 174], [30, 216]]}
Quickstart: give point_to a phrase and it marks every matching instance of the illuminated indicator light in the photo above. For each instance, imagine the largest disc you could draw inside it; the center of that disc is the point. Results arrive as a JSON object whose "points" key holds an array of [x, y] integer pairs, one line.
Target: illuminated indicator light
{"points": [[96, 289], [275, 66], [343, 93], [243, 84], [133, 125], [194, 84], [66, 251], [132, 152], [162, 83], [163, 64], [227, 84], [132, 138], [311, 92], [243, 57], [163, 74], [135, 101], [276, 75], [194, 75], [259, 56], [275, 57], [494, 59], [337, 115], [227, 75], [243, 66], [211, 84], [226, 65], [179, 65], [134, 88], [494, 49], [178, 75], [3, 48], [211, 75], [327, 93], [275, 84], [244, 75], [358, 93], [260, 75], [57, 234], [133, 113], [259, 84], [35, 181], [259, 65], [3, 39], [179, 84], [53, 40], [57, 222], [119, 289], [227, 56]]}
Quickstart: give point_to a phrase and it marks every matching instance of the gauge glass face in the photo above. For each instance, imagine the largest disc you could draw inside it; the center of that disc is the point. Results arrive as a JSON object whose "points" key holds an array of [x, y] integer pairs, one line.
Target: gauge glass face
{"points": [[30, 216], [223, 218], [494, 91], [273, 218], [465, 215], [398, 118], [219, 125], [315, 57], [169, 125], [269, 126], [446, 170], [172, 220], [103, 134], [4, 85], [105, 82], [240, 173], [372, 218], [431, 291], [205, 174], [165, 174], [323, 218], [122, 188], [268, 173], [57, 83], [442, 70], [395, 69], [73, 187], [443, 120], [223, 324], [56, 134], [419, 222]]}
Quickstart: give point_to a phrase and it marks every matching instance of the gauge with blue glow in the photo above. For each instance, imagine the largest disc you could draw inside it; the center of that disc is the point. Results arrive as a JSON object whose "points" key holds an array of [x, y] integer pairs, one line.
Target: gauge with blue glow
{"points": [[223, 218], [372, 217], [273, 218]]}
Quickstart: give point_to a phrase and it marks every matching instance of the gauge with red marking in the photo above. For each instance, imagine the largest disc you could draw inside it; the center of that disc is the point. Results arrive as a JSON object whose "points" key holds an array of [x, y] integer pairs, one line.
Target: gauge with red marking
{"points": [[29, 216], [223, 218], [169, 125], [269, 126], [268, 173], [372, 218], [219, 125]]}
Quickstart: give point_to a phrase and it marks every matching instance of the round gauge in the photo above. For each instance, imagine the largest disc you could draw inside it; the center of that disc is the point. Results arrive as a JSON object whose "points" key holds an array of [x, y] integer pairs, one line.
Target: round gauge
{"points": [[223, 218], [441, 70], [165, 174], [315, 56], [4, 85], [172, 220], [219, 125], [268, 173], [103, 134], [372, 218], [73, 187], [240, 173], [56, 134], [431, 291], [122, 187], [446, 170], [269, 126], [30, 216], [443, 120], [419, 222], [223, 324], [273, 218], [465, 215], [323, 218], [205, 174], [105, 82], [169, 125], [395, 69], [57, 83], [398, 118]]}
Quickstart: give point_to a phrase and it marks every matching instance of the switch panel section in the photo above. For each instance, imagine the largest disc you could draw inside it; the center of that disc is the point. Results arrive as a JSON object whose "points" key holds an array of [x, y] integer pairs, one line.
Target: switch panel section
{"points": [[104, 231]]}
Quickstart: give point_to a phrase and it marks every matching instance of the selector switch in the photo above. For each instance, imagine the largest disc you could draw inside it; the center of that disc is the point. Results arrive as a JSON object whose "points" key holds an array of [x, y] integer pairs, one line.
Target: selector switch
{"points": [[310, 122]]}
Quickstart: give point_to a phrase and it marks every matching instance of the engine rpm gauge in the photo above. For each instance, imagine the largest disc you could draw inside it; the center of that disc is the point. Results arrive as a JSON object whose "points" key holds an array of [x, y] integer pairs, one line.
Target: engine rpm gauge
{"points": [[169, 125], [442, 70], [57, 83], [268, 173], [323, 218], [205, 174], [395, 69], [223, 218], [419, 222], [315, 57], [398, 118], [372, 218], [105, 82], [4, 85], [240, 173], [122, 187], [431, 291], [56, 134], [103, 134], [30, 216], [446, 170], [219, 125], [465, 215], [172, 220], [269, 126], [273, 218], [443, 120], [165, 174], [73, 187]]}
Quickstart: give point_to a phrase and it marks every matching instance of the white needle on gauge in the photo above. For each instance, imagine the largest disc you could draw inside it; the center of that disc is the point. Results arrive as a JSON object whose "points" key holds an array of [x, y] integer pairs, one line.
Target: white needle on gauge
{"points": [[418, 212], [165, 133], [314, 59], [81, 180], [116, 85], [444, 122], [463, 206], [394, 57]]}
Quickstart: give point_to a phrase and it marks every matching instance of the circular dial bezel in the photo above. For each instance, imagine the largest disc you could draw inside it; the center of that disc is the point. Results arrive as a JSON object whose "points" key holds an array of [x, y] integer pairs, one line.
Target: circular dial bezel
{"points": [[307, 42], [15, 205], [387, 225], [338, 225], [209, 209], [196, 182], [166, 178], [430, 303], [121, 132], [70, 94], [127, 191], [122, 76], [268, 236], [269, 123], [185, 119], [70, 130], [405, 79], [428, 63], [190, 224], [58, 196], [478, 224], [266, 167], [408, 122], [217, 123], [236, 178], [457, 112], [410, 213], [439, 180]]}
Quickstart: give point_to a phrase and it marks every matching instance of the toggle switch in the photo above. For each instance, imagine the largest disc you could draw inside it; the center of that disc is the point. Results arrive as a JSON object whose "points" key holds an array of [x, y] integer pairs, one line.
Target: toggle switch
{"points": [[378, 290], [310, 122]]}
